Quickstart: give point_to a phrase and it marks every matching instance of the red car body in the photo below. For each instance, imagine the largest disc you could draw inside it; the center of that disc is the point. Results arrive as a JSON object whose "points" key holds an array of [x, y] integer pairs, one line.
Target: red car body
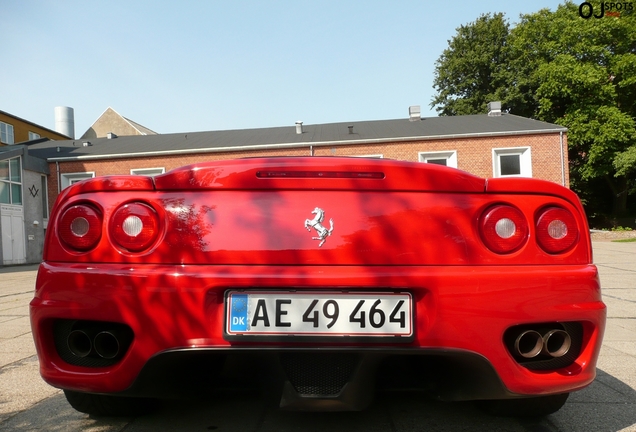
{"points": [[500, 296]]}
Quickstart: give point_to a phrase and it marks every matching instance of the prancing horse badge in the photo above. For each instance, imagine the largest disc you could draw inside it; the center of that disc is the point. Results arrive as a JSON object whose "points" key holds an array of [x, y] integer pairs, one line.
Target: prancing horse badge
{"points": [[316, 223]]}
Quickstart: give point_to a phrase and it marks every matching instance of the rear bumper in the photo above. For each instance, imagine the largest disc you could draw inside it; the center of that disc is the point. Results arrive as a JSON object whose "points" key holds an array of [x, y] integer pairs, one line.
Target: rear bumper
{"points": [[460, 316], [319, 378]]}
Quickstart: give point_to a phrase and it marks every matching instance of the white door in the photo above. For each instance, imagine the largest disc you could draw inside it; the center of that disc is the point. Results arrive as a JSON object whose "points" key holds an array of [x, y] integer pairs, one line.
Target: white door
{"points": [[13, 247]]}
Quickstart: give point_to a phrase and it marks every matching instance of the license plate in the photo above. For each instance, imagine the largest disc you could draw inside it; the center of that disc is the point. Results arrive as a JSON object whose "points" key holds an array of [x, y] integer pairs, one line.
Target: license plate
{"points": [[269, 313]]}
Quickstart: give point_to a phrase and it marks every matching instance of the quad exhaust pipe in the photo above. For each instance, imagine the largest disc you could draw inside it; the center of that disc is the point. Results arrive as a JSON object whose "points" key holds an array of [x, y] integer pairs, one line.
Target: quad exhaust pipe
{"points": [[530, 343], [106, 343], [557, 343], [80, 343]]}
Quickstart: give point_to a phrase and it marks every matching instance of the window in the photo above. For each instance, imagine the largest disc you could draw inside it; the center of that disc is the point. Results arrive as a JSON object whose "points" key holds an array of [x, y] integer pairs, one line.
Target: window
{"points": [[72, 178], [446, 158], [512, 162], [33, 136], [6, 133], [11, 181], [148, 171], [509, 165]]}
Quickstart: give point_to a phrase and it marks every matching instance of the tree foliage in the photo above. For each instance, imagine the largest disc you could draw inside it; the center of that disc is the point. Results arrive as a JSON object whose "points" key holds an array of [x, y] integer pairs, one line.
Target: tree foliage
{"points": [[468, 73], [560, 68]]}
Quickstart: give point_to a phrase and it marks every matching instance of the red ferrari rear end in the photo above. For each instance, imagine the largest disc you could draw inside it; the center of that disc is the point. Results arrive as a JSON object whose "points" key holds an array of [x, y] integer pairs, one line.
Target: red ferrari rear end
{"points": [[321, 280]]}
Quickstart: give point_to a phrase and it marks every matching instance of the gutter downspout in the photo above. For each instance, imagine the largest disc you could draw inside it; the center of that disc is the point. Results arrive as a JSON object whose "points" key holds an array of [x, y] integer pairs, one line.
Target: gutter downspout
{"points": [[562, 159], [311, 150], [57, 174]]}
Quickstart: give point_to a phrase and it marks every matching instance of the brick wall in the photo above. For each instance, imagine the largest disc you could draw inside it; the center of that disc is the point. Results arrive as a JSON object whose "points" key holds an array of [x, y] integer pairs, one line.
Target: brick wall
{"points": [[474, 155]]}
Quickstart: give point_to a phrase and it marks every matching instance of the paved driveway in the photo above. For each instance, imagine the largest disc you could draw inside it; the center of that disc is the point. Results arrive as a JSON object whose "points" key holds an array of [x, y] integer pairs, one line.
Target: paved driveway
{"points": [[609, 404]]}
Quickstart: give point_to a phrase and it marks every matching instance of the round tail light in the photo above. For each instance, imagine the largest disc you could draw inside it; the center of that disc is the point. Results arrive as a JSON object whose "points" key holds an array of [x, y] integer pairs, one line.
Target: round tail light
{"points": [[503, 228], [134, 226], [556, 230], [80, 227]]}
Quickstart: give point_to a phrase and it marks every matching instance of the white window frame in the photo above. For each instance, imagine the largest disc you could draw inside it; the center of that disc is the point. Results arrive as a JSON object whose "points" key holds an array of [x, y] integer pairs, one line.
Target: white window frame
{"points": [[34, 136], [449, 155], [6, 133], [9, 183], [148, 171], [69, 179], [525, 161]]}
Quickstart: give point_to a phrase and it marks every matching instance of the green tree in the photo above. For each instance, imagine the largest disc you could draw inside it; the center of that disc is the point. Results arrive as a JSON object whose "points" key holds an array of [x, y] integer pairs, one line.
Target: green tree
{"points": [[468, 73], [579, 73]]}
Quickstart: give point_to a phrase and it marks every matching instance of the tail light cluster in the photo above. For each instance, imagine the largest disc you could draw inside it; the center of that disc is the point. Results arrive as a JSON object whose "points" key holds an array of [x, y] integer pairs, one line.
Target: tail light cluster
{"points": [[80, 227], [504, 229], [133, 227], [556, 230]]}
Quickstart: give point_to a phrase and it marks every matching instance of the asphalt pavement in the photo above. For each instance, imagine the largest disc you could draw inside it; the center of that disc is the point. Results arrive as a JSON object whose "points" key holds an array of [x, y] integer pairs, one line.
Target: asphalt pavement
{"points": [[27, 403]]}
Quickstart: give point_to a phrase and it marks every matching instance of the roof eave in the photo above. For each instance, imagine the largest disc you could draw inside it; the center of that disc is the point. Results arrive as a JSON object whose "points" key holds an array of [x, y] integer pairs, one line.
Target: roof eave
{"points": [[305, 144]]}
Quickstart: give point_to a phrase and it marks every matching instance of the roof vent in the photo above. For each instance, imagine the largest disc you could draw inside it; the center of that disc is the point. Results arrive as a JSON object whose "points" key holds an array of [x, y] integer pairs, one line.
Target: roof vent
{"points": [[111, 135], [350, 129], [494, 109], [299, 127], [415, 113]]}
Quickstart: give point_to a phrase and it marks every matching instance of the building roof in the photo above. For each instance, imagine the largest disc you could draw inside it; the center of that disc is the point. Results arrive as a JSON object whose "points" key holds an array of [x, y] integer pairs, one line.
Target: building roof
{"points": [[143, 130], [29, 162], [61, 135], [358, 132], [110, 121]]}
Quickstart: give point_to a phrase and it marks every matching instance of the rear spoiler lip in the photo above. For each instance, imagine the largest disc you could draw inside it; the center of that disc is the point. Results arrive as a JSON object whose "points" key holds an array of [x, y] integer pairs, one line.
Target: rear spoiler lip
{"points": [[303, 173], [524, 185], [130, 183]]}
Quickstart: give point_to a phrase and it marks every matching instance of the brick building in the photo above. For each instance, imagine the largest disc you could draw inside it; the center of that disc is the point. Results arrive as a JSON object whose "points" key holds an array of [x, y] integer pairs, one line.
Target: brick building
{"points": [[484, 145], [488, 145]]}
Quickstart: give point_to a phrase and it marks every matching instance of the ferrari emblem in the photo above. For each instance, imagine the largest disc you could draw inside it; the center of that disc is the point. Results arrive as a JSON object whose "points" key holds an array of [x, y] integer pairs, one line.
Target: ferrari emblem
{"points": [[316, 223]]}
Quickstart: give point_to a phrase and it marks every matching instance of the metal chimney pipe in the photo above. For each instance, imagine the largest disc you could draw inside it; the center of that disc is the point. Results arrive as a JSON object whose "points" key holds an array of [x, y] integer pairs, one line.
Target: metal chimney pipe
{"points": [[65, 121], [299, 127]]}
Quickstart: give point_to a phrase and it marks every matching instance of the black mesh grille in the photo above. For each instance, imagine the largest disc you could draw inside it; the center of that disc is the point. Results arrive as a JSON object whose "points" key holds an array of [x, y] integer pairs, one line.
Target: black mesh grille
{"points": [[319, 374]]}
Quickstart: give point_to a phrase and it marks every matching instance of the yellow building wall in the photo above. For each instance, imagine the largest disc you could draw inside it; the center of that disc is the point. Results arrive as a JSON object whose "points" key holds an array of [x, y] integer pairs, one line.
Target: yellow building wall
{"points": [[21, 129]]}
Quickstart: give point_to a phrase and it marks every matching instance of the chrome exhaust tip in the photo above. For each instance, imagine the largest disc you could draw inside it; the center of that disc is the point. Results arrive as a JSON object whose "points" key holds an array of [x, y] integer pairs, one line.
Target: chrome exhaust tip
{"points": [[79, 343], [106, 345], [556, 343], [529, 344]]}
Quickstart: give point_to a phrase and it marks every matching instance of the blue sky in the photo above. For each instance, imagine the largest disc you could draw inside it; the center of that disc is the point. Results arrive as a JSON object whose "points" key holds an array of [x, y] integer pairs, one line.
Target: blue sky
{"points": [[212, 65]]}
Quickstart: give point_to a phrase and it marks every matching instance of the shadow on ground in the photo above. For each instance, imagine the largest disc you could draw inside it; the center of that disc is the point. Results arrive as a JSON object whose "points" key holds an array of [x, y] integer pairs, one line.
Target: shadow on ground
{"points": [[607, 405], [19, 268]]}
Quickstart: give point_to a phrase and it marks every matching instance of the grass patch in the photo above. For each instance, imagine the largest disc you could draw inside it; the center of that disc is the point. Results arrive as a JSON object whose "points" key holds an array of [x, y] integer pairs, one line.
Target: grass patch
{"points": [[627, 240]]}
